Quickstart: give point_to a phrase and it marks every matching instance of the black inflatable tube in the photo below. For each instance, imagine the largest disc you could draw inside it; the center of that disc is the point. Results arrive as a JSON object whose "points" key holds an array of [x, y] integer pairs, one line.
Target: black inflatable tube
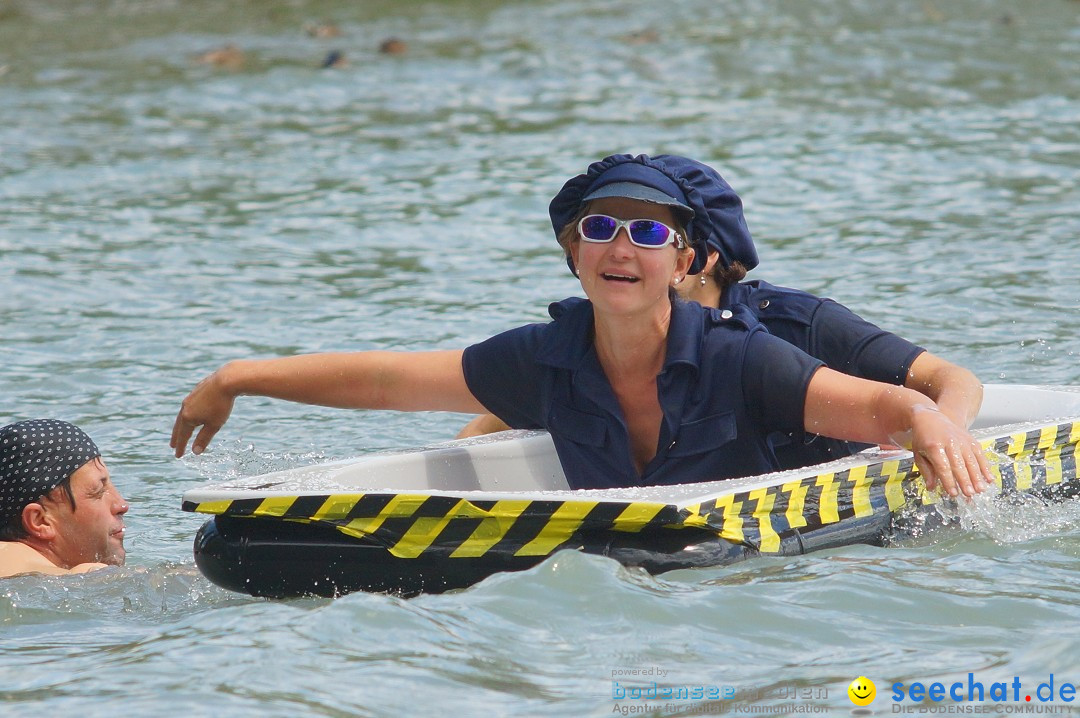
{"points": [[279, 559]]}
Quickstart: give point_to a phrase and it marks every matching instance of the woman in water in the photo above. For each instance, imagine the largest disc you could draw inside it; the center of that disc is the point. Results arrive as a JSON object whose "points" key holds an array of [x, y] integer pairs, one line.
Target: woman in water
{"points": [[820, 327], [636, 386]]}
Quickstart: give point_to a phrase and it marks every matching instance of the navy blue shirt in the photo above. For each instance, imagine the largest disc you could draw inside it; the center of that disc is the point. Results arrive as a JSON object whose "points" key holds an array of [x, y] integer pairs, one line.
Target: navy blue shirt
{"points": [[832, 333], [726, 384]]}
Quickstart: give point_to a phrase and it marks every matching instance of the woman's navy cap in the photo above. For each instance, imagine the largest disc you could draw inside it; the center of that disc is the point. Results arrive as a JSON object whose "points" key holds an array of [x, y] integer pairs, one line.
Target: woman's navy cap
{"points": [[698, 195]]}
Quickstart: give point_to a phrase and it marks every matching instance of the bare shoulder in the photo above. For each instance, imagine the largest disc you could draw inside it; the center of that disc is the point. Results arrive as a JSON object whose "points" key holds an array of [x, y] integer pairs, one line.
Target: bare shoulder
{"points": [[17, 559], [86, 567]]}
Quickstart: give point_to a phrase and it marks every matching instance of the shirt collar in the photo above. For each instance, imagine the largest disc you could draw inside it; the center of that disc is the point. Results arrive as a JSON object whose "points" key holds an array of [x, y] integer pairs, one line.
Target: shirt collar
{"points": [[567, 349], [684, 335]]}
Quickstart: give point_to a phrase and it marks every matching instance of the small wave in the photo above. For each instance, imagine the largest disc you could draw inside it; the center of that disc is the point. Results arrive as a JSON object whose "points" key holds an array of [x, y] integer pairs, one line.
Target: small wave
{"points": [[121, 592]]}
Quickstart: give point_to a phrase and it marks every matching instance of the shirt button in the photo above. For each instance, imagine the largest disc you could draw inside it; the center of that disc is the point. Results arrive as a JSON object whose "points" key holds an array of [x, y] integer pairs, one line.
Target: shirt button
{"points": [[764, 304], [726, 314]]}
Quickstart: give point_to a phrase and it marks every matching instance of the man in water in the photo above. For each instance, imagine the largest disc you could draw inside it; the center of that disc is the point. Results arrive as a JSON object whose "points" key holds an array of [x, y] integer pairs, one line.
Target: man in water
{"points": [[59, 511]]}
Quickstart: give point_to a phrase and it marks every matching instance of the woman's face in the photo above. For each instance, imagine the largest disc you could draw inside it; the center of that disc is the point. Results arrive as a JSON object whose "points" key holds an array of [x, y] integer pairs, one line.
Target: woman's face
{"points": [[620, 277]]}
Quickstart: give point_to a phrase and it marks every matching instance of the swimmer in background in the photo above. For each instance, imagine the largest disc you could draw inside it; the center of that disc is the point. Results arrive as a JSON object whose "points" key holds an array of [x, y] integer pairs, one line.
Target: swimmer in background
{"points": [[59, 510], [822, 328]]}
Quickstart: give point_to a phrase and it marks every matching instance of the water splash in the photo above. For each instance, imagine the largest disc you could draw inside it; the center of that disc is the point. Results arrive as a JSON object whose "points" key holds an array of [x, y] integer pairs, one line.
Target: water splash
{"points": [[1006, 516], [1013, 517], [242, 460]]}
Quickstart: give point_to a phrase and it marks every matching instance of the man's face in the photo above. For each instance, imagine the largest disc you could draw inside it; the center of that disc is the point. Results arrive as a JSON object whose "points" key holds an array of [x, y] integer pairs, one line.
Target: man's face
{"points": [[94, 531]]}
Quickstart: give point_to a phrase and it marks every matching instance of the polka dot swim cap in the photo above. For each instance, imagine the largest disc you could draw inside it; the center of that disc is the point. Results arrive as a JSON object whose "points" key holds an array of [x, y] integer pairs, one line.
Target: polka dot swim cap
{"points": [[35, 457]]}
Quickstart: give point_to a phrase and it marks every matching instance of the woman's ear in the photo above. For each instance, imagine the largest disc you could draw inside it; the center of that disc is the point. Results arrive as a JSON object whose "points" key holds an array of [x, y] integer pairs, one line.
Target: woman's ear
{"points": [[710, 263], [574, 258], [682, 264]]}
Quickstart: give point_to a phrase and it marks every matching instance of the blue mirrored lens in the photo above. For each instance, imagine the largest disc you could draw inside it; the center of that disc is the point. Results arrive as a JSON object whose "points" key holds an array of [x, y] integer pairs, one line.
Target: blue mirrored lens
{"points": [[597, 226], [648, 232]]}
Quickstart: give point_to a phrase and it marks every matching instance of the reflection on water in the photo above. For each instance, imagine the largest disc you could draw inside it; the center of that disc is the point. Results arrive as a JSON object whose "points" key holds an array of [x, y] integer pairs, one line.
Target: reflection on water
{"points": [[160, 216]]}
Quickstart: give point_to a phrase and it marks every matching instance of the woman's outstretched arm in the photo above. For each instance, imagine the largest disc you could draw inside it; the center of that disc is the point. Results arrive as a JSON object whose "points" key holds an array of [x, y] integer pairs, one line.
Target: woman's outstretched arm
{"points": [[404, 381]]}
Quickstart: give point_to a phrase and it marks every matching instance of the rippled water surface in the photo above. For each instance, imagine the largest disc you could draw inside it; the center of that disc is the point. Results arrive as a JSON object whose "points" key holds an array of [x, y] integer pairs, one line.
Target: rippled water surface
{"points": [[160, 214]]}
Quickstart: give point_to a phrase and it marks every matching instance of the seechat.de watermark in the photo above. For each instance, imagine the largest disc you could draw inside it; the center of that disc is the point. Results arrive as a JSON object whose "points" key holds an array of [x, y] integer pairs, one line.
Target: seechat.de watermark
{"points": [[1050, 690], [970, 696]]}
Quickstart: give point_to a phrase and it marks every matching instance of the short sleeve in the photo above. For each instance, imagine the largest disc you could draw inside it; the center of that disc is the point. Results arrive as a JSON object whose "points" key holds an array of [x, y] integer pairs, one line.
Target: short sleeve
{"points": [[504, 376], [775, 378], [848, 343]]}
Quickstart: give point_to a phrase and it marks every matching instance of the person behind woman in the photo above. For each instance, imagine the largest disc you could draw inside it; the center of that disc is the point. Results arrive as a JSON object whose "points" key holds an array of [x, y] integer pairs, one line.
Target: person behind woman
{"points": [[820, 327], [636, 386]]}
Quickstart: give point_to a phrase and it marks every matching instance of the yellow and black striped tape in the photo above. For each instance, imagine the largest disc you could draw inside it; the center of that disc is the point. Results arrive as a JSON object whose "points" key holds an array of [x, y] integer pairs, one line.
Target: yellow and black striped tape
{"points": [[410, 524]]}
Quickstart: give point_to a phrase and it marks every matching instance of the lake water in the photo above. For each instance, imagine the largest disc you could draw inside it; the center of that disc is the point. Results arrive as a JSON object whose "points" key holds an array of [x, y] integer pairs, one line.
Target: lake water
{"points": [[160, 215]]}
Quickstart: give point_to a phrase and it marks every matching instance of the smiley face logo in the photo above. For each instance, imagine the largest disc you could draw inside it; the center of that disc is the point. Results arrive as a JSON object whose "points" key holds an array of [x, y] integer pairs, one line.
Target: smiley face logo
{"points": [[862, 691]]}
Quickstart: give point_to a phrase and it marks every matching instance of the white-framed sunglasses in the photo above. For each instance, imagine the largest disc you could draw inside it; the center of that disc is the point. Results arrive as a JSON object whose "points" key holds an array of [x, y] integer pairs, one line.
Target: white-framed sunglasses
{"points": [[647, 233]]}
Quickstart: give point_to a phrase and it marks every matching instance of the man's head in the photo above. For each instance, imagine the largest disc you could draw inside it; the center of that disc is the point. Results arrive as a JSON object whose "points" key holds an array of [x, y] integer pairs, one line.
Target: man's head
{"points": [[56, 495]]}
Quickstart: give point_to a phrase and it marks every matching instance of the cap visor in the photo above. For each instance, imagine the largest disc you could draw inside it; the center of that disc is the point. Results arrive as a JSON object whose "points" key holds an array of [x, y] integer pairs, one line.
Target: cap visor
{"points": [[633, 190]]}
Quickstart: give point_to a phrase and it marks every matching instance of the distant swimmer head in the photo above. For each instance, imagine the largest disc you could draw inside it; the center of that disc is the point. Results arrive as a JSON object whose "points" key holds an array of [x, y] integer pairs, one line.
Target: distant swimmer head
{"points": [[696, 193], [36, 456], [334, 58]]}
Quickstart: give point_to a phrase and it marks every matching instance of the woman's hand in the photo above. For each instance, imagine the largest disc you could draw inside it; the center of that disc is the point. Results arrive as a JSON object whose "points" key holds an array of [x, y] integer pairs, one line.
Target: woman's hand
{"points": [[946, 454], [845, 407], [208, 405]]}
